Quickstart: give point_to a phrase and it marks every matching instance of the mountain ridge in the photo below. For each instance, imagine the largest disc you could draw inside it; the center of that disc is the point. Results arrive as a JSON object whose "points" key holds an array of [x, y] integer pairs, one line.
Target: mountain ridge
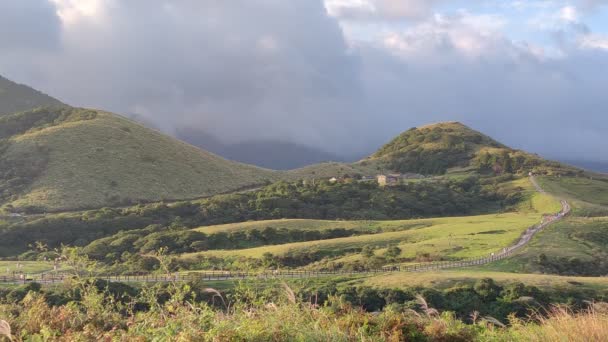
{"points": [[15, 97]]}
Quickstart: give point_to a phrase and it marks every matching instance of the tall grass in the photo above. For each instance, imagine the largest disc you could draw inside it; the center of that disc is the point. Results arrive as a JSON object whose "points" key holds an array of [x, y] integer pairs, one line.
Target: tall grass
{"points": [[561, 324], [177, 312]]}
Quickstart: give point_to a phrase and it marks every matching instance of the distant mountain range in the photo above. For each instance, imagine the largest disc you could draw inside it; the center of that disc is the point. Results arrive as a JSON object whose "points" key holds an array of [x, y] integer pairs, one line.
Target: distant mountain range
{"points": [[272, 154]]}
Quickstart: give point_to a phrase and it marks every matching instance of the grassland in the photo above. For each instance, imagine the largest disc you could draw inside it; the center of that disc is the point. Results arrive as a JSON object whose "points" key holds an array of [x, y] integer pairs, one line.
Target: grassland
{"points": [[587, 194], [450, 278], [442, 238], [109, 161], [577, 244], [28, 267], [452, 238], [456, 237]]}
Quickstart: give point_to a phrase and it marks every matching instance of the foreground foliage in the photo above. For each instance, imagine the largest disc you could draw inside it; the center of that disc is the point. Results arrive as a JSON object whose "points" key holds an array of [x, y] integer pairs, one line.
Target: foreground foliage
{"points": [[94, 311]]}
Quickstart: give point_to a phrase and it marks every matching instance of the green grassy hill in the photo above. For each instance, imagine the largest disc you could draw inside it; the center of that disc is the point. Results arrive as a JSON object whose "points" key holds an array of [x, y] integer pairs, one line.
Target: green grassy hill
{"points": [[437, 149], [65, 159], [16, 98], [442, 147]]}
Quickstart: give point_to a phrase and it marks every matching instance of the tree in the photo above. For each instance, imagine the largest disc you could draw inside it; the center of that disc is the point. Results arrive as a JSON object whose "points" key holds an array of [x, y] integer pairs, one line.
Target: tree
{"points": [[392, 252], [367, 251]]}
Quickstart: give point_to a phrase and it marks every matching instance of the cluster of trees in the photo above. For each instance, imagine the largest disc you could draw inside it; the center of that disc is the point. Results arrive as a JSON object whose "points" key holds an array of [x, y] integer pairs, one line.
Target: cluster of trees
{"points": [[119, 247], [596, 266], [503, 161], [433, 151], [322, 200]]}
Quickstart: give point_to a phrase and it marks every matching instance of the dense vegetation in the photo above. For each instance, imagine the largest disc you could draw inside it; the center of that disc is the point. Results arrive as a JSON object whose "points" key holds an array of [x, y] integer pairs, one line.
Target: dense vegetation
{"points": [[96, 310], [16, 98], [322, 200], [437, 148], [433, 149]]}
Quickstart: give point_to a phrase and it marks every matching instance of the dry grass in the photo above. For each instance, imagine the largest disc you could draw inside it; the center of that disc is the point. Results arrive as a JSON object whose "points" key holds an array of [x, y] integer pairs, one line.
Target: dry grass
{"points": [[564, 325], [5, 330]]}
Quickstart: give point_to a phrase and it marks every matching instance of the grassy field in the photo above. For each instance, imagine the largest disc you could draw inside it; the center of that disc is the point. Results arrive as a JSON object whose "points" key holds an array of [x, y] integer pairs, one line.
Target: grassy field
{"points": [[304, 224], [579, 238], [450, 278], [588, 196], [109, 160], [455, 237], [419, 240], [30, 267]]}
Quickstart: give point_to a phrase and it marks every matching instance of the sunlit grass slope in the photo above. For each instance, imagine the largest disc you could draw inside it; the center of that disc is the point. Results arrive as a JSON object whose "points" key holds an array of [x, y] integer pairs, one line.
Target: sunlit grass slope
{"points": [[574, 246], [587, 194], [455, 237], [107, 160], [438, 238]]}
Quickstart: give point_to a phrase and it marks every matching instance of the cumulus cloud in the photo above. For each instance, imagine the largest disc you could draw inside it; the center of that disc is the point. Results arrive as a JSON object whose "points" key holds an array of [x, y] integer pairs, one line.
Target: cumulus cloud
{"points": [[450, 68], [239, 69], [272, 69], [380, 9]]}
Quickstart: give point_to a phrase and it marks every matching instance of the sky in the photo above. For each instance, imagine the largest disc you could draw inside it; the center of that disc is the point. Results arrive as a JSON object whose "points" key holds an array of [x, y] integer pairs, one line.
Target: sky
{"points": [[344, 76]]}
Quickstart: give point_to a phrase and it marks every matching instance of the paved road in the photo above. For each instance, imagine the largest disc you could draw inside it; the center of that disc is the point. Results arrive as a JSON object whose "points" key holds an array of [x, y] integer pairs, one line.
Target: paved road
{"points": [[270, 274]]}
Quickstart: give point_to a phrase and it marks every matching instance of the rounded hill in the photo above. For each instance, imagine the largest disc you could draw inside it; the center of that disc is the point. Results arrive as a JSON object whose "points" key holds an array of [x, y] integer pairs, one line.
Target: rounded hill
{"points": [[64, 158]]}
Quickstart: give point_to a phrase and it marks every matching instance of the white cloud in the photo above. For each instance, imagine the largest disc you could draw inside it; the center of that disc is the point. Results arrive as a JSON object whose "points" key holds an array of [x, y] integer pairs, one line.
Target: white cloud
{"points": [[71, 11], [594, 41], [569, 14], [380, 9], [464, 34], [275, 69]]}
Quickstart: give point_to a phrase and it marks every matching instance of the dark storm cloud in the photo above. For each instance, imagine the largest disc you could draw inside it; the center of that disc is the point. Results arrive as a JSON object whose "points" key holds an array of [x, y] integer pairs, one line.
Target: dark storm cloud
{"points": [[274, 69], [239, 69]]}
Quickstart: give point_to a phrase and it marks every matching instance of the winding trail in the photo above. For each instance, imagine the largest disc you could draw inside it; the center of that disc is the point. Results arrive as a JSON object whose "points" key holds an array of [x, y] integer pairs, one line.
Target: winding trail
{"points": [[272, 274]]}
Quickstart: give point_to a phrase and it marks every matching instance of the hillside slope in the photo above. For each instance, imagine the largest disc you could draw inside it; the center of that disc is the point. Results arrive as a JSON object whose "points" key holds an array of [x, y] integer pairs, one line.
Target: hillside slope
{"points": [[440, 148], [16, 98], [437, 148], [63, 159]]}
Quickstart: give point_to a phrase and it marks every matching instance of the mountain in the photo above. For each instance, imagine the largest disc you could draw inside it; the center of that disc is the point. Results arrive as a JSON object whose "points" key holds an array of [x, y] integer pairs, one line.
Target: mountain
{"points": [[446, 146], [67, 158], [16, 98], [272, 154]]}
